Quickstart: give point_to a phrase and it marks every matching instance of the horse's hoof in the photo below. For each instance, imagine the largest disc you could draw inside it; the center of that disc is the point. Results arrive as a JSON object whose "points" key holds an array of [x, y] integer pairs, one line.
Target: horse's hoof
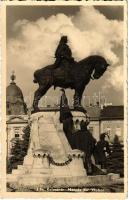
{"points": [[36, 109], [80, 108]]}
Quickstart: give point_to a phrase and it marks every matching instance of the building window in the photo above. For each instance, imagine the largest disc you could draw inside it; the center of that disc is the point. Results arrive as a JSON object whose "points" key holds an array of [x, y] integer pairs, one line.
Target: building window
{"points": [[118, 132], [16, 135], [91, 129], [9, 112], [8, 105]]}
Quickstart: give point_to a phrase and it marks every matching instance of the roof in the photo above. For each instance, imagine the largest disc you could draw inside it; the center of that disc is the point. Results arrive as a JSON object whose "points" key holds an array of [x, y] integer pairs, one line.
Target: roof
{"points": [[112, 112], [15, 104], [96, 113], [17, 119], [93, 112], [12, 92]]}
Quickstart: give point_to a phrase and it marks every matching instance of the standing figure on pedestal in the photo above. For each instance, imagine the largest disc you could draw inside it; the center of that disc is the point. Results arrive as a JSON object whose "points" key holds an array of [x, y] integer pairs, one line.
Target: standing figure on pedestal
{"points": [[65, 112], [87, 144], [102, 148], [63, 53], [66, 118]]}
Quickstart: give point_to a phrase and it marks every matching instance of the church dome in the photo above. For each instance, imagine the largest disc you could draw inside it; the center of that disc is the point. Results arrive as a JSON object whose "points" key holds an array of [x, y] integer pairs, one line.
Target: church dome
{"points": [[13, 91], [15, 99]]}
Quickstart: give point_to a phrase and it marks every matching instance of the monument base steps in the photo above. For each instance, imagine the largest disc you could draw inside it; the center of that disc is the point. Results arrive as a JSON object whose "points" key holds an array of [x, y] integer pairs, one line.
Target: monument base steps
{"points": [[64, 182]]}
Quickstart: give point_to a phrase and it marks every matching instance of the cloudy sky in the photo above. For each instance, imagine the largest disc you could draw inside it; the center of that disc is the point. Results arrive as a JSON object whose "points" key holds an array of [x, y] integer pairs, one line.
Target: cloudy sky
{"points": [[33, 33]]}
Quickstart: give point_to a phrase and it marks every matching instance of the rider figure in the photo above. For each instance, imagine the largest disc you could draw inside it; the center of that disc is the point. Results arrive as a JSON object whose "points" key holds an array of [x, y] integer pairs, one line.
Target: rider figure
{"points": [[63, 52]]}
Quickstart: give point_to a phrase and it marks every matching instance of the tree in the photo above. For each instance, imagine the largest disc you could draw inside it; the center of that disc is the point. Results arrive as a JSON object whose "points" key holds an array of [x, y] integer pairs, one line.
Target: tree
{"points": [[16, 155], [25, 141], [19, 150]]}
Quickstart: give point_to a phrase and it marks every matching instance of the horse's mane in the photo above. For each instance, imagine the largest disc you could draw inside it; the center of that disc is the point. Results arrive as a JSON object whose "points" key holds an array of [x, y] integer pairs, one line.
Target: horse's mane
{"points": [[88, 61], [91, 60]]}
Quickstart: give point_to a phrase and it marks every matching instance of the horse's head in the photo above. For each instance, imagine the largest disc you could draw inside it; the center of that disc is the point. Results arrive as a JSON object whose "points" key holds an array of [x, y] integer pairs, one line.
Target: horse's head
{"points": [[99, 67]]}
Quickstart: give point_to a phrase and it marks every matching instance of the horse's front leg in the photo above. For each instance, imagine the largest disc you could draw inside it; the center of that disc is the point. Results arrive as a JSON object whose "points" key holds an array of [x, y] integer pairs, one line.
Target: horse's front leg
{"points": [[37, 97], [77, 99]]}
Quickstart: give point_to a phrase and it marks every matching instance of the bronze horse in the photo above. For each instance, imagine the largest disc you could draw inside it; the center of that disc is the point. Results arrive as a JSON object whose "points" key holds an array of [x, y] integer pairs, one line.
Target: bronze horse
{"points": [[75, 75]]}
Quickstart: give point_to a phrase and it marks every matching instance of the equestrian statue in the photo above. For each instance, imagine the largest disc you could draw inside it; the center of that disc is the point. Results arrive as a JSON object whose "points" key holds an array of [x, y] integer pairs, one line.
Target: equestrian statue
{"points": [[67, 73]]}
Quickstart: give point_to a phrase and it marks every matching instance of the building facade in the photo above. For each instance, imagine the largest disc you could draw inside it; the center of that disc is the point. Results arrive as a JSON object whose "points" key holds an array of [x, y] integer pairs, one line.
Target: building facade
{"points": [[16, 111], [15, 126], [112, 121], [94, 126], [109, 119]]}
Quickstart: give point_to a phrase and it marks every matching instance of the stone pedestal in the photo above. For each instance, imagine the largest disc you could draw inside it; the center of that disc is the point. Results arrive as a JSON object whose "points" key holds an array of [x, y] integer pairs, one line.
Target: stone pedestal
{"points": [[50, 159]]}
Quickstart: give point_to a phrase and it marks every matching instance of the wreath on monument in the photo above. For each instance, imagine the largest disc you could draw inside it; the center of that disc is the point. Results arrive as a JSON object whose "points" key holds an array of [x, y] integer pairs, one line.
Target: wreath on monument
{"points": [[51, 161]]}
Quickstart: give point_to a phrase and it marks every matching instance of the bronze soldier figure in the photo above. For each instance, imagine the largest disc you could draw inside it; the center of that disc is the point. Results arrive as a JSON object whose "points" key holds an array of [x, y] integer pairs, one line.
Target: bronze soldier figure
{"points": [[64, 107], [101, 149]]}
